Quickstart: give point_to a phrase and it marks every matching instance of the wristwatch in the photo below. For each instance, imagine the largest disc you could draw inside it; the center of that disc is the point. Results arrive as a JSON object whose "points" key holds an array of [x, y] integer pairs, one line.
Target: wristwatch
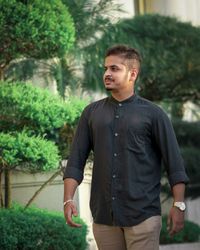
{"points": [[180, 205]]}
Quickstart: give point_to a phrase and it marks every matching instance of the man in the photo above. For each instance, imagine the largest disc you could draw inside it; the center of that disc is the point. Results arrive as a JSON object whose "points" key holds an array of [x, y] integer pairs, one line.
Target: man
{"points": [[129, 136]]}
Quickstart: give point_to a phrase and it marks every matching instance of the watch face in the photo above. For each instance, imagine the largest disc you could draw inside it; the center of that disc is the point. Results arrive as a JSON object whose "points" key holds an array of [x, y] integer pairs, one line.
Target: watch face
{"points": [[180, 205]]}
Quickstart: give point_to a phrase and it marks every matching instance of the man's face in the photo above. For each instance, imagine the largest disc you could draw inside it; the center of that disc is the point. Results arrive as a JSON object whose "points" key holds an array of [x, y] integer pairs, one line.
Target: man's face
{"points": [[117, 76]]}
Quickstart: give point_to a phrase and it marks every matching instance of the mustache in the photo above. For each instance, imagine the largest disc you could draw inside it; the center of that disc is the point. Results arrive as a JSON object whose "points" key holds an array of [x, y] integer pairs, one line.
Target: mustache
{"points": [[108, 78]]}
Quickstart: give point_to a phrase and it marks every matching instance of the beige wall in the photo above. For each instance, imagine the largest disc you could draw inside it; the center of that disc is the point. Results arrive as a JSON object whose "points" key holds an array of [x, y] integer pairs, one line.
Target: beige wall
{"points": [[25, 185], [128, 7], [184, 10]]}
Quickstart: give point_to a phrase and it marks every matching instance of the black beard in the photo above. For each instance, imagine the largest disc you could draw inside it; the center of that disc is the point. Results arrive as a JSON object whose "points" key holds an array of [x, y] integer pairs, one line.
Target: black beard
{"points": [[108, 89]]}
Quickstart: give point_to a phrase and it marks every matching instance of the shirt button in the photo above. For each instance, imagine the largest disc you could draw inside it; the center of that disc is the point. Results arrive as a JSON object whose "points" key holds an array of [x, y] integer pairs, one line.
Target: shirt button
{"points": [[115, 154], [116, 134], [114, 176], [120, 104], [113, 198], [117, 116]]}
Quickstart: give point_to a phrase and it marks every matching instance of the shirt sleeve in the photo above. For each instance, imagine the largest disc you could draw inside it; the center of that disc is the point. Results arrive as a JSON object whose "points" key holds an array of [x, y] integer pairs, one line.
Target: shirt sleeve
{"points": [[80, 150], [166, 141]]}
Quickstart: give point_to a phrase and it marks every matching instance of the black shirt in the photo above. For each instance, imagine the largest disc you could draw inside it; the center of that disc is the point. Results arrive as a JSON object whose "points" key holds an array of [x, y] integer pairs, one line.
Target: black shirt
{"points": [[129, 139]]}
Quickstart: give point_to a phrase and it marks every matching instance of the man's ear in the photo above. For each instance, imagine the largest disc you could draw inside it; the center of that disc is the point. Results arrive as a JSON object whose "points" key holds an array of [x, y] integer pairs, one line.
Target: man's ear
{"points": [[134, 74]]}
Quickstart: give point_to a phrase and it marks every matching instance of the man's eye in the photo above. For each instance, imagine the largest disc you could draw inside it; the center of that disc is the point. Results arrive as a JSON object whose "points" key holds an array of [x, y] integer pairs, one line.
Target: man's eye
{"points": [[114, 69]]}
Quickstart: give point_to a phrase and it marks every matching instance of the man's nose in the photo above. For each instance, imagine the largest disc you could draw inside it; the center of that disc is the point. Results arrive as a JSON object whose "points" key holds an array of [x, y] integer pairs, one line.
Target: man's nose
{"points": [[107, 73]]}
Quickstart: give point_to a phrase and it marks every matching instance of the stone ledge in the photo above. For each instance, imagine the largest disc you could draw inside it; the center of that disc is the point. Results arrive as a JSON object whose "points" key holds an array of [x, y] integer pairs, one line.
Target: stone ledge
{"points": [[185, 246]]}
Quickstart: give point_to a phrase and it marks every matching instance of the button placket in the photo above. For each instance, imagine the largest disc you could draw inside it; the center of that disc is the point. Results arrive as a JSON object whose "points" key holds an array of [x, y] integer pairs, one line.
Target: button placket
{"points": [[116, 135]]}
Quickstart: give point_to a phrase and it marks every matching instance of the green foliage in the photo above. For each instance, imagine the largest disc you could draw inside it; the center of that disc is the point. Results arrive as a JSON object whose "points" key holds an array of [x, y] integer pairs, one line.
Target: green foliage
{"points": [[96, 17], [38, 112], [39, 229], [190, 233], [191, 158], [38, 29], [32, 153], [170, 51], [21, 70], [31, 118], [188, 133], [24, 105]]}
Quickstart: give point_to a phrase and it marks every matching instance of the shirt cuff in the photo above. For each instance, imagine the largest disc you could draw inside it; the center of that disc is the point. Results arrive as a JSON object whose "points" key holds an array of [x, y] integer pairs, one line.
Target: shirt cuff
{"points": [[74, 173], [178, 177]]}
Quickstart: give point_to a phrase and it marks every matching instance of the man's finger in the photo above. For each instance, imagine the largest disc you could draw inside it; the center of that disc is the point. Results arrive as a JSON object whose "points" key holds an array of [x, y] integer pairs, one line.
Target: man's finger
{"points": [[71, 223], [74, 211], [69, 220]]}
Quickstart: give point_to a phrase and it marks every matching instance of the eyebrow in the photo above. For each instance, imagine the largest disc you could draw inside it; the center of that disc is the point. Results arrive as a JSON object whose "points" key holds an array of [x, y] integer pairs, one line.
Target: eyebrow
{"points": [[113, 65]]}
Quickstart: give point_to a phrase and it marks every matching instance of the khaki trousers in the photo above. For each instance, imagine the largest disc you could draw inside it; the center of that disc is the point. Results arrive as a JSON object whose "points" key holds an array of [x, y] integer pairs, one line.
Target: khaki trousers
{"points": [[144, 236]]}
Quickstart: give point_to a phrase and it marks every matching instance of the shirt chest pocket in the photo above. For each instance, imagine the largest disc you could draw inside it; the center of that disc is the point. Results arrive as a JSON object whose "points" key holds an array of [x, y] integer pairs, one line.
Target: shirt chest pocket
{"points": [[136, 136]]}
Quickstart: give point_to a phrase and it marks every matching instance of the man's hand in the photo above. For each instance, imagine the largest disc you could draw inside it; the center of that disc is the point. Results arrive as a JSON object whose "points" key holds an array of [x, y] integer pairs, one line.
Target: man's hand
{"points": [[175, 222], [69, 211]]}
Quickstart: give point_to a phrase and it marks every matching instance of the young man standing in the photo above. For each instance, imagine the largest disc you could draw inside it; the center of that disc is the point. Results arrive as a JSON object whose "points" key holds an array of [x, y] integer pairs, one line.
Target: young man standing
{"points": [[129, 136]]}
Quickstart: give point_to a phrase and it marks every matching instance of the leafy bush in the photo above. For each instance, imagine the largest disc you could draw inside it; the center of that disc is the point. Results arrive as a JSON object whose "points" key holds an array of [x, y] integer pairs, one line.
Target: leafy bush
{"points": [[191, 158], [33, 153], [32, 121], [24, 106], [190, 233], [38, 229], [34, 107], [37, 29], [188, 133]]}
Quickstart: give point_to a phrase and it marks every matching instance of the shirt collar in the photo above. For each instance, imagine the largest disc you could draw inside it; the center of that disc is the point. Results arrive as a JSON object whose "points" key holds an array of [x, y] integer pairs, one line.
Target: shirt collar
{"points": [[128, 100]]}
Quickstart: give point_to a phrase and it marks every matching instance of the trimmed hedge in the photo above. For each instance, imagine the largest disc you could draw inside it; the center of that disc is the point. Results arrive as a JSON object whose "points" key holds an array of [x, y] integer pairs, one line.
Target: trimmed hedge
{"points": [[39, 229], [31, 153], [34, 228], [188, 133], [37, 108], [191, 158], [190, 233], [35, 29]]}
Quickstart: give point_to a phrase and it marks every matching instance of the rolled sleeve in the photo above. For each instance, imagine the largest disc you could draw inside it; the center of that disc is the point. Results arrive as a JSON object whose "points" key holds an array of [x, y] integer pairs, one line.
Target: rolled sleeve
{"points": [[170, 152], [178, 177], [74, 173]]}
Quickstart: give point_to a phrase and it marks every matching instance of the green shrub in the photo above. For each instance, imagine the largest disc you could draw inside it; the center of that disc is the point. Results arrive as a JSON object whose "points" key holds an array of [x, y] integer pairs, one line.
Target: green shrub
{"points": [[190, 233], [191, 158], [36, 108], [188, 133], [35, 29], [39, 112], [31, 153], [39, 229]]}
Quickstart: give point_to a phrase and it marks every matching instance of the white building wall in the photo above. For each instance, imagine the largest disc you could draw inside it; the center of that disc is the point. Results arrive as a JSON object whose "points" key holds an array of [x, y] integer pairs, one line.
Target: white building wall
{"points": [[184, 10], [128, 8]]}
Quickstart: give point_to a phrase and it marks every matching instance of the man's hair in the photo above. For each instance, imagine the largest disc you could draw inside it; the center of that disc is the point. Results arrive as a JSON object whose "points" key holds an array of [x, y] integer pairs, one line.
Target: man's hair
{"points": [[131, 55]]}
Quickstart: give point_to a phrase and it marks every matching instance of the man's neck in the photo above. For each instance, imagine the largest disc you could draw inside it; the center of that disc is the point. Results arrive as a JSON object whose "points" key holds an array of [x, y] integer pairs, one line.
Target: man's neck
{"points": [[122, 96]]}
